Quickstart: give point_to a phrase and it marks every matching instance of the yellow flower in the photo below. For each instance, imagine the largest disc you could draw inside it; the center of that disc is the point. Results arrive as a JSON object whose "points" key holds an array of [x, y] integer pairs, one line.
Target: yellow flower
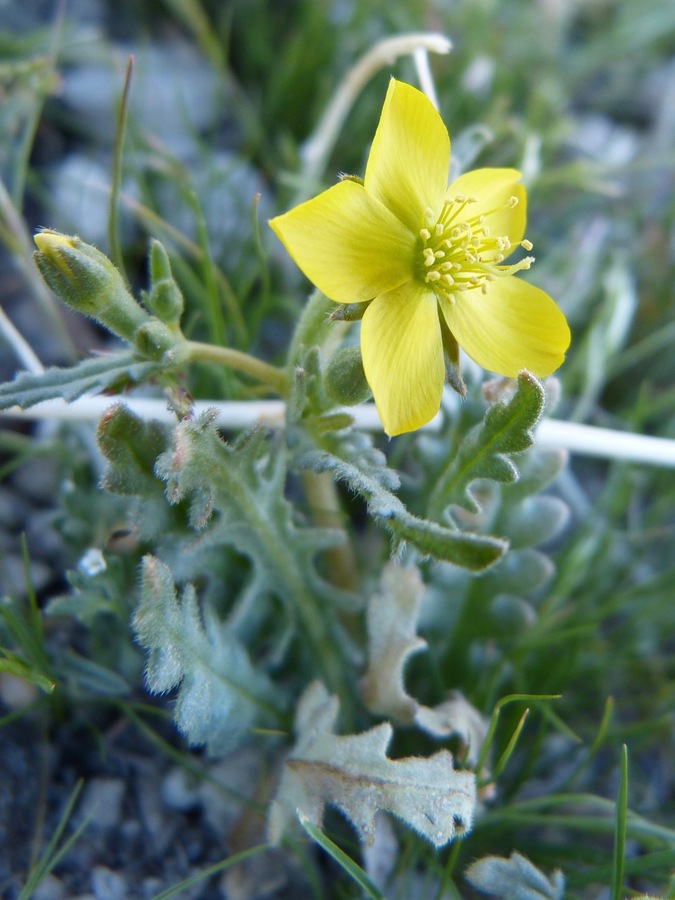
{"points": [[425, 253]]}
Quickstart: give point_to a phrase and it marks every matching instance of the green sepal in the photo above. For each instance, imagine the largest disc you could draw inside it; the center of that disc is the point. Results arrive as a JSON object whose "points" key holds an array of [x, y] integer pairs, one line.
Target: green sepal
{"points": [[349, 312], [453, 371], [344, 176]]}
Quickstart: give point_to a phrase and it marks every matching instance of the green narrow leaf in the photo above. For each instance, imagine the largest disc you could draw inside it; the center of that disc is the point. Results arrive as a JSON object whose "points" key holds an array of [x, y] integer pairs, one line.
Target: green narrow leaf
{"points": [[94, 374], [620, 829], [486, 449], [51, 855], [14, 665], [22, 623], [346, 863], [500, 765], [212, 870], [494, 718], [118, 150]]}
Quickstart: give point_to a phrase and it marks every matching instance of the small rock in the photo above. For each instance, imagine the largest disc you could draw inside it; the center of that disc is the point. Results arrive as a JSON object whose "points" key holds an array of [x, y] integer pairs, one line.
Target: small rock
{"points": [[13, 576], [238, 773], [150, 887], [108, 885], [160, 828], [178, 790], [15, 692], [102, 802], [50, 888], [272, 873]]}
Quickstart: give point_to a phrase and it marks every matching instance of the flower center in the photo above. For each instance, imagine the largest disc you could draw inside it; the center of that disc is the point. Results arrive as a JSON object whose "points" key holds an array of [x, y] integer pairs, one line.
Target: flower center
{"points": [[458, 253]]}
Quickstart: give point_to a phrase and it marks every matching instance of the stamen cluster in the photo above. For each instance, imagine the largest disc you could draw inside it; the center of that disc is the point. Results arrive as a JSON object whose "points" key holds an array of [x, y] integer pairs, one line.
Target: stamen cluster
{"points": [[458, 253]]}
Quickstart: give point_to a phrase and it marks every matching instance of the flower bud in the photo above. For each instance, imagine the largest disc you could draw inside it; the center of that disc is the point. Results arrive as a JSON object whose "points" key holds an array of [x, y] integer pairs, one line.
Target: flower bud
{"points": [[345, 380], [153, 339], [164, 299], [85, 279]]}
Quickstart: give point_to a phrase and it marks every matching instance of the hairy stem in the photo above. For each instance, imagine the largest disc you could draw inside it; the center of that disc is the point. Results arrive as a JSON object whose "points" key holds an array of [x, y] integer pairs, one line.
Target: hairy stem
{"points": [[272, 376]]}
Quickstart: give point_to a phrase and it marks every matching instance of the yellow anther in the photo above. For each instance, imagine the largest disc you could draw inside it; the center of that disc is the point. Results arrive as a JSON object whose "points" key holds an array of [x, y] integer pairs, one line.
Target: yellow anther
{"points": [[526, 245]]}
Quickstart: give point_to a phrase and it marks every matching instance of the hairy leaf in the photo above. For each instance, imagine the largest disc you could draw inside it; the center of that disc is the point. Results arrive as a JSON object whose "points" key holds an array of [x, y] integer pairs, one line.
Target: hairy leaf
{"points": [[221, 694], [392, 637], [235, 497], [92, 374], [455, 716], [485, 451], [514, 879], [470, 551], [354, 774], [131, 446]]}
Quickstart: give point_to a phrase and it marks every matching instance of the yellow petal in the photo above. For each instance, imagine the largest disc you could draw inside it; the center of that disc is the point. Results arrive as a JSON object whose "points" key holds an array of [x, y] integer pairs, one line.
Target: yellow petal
{"points": [[492, 190], [403, 357], [349, 245], [407, 168], [514, 326]]}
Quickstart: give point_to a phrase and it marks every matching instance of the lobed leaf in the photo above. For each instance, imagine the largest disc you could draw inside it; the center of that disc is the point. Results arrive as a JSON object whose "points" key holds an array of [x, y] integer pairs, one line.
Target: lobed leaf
{"points": [[221, 694], [391, 621], [235, 498], [354, 774], [485, 451], [514, 879]]}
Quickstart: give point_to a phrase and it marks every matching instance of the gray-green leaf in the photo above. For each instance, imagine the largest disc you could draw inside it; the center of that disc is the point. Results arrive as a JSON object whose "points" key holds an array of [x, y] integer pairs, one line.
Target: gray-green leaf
{"points": [[514, 879]]}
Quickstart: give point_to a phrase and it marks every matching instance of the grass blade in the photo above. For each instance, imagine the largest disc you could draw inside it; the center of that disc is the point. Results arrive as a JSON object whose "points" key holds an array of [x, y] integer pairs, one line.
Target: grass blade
{"points": [[345, 862], [620, 828]]}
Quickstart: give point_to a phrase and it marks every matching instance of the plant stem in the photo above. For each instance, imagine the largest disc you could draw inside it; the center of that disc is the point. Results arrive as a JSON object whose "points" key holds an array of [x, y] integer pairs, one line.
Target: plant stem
{"points": [[272, 376], [313, 320], [324, 503]]}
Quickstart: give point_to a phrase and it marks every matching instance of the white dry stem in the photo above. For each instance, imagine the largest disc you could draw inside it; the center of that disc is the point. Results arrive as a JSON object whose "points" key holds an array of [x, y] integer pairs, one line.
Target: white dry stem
{"points": [[585, 440], [316, 149], [426, 80], [20, 346]]}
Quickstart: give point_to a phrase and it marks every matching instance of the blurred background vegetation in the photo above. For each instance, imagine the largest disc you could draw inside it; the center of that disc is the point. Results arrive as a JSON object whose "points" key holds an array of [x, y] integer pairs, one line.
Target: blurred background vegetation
{"points": [[578, 94]]}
